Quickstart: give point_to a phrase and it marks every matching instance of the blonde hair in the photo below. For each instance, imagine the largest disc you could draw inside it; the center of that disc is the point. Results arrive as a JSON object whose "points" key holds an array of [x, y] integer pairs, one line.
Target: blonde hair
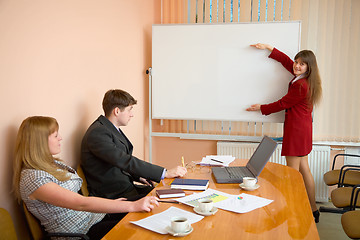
{"points": [[312, 74], [32, 149]]}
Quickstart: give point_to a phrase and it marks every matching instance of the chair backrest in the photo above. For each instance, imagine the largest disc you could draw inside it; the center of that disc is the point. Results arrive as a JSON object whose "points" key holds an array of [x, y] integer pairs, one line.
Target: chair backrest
{"points": [[7, 228], [35, 228], [84, 189]]}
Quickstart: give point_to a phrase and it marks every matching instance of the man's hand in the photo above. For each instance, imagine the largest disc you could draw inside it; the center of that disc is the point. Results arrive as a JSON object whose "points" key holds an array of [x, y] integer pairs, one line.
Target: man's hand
{"points": [[146, 182], [176, 172]]}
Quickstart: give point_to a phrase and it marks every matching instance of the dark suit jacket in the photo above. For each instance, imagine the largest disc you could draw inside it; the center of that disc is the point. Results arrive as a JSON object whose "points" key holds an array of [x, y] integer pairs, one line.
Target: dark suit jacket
{"points": [[108, 163], [297, 139]]}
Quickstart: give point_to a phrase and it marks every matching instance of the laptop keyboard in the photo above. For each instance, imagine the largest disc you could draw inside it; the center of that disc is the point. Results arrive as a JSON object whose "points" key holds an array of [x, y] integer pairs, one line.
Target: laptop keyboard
{"points": [[237, 172]]}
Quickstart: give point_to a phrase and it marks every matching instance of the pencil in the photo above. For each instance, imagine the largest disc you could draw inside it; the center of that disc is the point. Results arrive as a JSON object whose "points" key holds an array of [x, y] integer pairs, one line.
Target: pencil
{"points": [[182, 161], [162, 201]]}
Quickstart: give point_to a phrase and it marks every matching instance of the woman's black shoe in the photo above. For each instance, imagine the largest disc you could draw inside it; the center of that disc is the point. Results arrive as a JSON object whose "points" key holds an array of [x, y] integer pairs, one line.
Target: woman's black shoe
{"points": [[316, 215]]}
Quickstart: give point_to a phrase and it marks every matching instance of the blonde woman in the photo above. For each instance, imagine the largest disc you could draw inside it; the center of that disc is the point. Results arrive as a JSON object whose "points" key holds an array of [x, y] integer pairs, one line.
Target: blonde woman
{"points": [[49, 187]]}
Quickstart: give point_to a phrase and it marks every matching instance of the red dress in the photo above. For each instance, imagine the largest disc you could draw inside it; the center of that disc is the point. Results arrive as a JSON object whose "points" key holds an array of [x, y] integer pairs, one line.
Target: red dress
{"points": [[297, 139]]}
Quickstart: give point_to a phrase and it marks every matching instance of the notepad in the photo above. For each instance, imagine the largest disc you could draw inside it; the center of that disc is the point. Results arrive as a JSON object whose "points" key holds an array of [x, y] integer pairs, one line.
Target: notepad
{"points": [[170, 193], [190, 184]]}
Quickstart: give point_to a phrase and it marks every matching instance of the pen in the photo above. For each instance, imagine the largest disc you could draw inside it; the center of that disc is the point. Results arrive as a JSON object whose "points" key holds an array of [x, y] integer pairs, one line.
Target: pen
{"points": [[162, 201], [210, 165], [216, 160], [182, 161]]}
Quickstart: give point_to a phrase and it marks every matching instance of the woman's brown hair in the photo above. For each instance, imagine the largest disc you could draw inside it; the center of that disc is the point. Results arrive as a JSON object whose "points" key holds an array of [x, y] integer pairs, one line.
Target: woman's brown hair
{"points": [[312, 74]]}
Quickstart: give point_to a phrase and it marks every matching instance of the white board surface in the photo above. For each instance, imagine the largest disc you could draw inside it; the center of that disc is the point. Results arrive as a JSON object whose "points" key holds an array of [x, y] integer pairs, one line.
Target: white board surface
{"points": [[210, 72]]}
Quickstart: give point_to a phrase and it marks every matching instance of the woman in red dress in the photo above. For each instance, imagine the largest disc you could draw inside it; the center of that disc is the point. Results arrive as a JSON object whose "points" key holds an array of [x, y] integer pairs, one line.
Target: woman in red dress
{"points": [[303, 93]]}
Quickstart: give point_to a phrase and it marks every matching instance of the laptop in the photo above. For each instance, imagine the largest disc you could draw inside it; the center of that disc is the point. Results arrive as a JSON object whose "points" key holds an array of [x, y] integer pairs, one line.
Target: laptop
{"points": [[253, 168]]}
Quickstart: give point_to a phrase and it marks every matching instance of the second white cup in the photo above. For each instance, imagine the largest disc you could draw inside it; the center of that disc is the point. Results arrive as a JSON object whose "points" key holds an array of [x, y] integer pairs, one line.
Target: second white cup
{"points": [[206, 205], [249, 182]]}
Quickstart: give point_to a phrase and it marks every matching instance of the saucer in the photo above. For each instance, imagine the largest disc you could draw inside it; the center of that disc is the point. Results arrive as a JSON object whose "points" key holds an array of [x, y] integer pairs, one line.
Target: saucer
{"points": [[249, 188], [212, 212], [180, 234]]}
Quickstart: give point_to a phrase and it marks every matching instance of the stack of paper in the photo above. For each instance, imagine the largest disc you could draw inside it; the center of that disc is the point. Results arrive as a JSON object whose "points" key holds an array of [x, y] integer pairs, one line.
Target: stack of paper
{"points": [[217, 160]]}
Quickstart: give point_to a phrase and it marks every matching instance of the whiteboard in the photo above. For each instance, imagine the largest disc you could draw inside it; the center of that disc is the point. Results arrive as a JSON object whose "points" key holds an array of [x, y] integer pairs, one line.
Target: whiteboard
{"points": [[210, 72]]}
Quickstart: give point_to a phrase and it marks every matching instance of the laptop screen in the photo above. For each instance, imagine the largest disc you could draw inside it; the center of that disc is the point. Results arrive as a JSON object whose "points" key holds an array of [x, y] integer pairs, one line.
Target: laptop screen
{"points": [[261, 155]]}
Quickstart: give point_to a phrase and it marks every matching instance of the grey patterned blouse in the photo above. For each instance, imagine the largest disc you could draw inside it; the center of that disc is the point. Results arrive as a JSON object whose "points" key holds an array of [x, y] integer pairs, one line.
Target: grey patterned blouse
{"points": [[53, 218]]}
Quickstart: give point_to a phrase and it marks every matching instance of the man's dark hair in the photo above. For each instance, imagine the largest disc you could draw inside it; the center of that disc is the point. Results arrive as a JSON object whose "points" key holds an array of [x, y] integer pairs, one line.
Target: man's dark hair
{"points": [[116, 98]]}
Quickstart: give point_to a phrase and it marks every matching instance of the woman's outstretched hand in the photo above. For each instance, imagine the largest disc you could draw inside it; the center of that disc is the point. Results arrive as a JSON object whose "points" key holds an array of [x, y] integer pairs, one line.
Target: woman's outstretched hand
{"points": [[262, 46], [254, 107]]}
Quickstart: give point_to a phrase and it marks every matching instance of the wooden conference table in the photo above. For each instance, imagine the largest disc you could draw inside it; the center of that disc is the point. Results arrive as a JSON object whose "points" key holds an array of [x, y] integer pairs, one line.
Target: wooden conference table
{"points": [[288, 217]]}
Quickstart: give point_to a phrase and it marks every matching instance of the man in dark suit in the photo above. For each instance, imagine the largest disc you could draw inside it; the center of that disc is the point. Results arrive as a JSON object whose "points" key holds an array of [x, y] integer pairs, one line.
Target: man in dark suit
{"points": [[106, 154]]}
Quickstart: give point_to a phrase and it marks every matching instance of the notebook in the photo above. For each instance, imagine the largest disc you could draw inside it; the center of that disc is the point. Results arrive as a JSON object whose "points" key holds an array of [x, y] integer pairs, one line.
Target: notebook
{"points": [[170, 193], [190, 184], [253, 168]]}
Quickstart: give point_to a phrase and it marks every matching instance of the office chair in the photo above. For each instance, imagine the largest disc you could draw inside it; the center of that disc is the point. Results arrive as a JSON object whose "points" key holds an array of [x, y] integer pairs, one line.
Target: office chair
{"points": [[83, 189], [7, 228], [38, 233], [350, 220], [335, 176], [341, 196], [345, 198]]}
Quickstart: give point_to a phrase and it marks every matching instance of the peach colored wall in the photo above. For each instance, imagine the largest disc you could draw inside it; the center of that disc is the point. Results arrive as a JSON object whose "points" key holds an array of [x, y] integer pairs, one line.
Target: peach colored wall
{"points": [[57, 58]]}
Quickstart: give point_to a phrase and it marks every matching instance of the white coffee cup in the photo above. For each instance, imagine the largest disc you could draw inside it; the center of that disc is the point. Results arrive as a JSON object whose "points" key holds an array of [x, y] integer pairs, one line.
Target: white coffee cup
{"points": [[179, 224], [206, 205], [249, 182]]}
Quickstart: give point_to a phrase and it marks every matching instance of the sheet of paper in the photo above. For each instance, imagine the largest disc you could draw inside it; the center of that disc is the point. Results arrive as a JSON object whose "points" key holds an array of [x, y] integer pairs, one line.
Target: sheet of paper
{"points": [[216, 196], [160, 221], [236, 203], [223, 160], [243, 203]]}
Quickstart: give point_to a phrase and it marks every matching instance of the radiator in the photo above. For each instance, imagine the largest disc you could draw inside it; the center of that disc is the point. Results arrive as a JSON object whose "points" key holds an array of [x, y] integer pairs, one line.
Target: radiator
{"points": [[319, 160], [352, 160]]}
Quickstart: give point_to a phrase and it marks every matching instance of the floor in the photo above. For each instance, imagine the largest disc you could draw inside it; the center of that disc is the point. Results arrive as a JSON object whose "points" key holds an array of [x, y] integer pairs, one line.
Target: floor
{"points": [[329, 226]]}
